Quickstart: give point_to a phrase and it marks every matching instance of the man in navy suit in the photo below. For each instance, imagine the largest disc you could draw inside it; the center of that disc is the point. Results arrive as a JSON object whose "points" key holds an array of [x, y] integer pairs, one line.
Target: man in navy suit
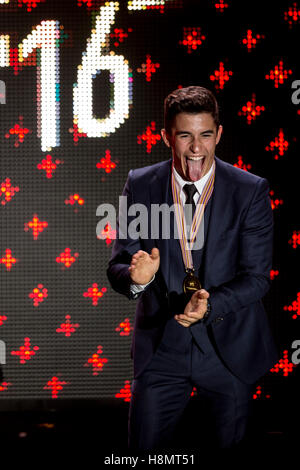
{"points": [[199, 319]]}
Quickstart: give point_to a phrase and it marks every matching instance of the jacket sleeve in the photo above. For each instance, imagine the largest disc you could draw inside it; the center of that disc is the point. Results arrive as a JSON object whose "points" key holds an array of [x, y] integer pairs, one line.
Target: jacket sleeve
{"points": [[123, 248], [255, 258]]}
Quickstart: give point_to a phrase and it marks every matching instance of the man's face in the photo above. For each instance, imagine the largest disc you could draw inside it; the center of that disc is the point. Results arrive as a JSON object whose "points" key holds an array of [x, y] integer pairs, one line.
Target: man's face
{"points": [[193, 139]]}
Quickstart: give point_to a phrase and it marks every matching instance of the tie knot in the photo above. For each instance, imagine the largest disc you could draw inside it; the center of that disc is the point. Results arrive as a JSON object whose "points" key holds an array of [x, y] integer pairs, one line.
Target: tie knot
{"points": [[190, 190]]}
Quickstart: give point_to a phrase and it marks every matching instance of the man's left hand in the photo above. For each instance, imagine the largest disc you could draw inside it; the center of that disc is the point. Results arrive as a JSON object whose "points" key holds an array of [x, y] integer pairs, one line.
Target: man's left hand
{"points": [[195, 308]]}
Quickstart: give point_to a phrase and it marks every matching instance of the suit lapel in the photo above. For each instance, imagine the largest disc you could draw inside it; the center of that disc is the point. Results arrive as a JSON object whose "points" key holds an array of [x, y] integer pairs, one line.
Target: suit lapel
{"points": [[221, 204]]}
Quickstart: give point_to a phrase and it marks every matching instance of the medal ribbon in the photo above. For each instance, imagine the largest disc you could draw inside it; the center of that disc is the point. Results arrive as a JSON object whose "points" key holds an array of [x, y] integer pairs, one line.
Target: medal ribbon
{"points": [[186, 247]]}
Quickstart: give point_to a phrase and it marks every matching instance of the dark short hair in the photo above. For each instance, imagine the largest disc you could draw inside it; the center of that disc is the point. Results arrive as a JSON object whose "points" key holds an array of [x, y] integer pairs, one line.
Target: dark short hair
{"points": [[192, 99]]}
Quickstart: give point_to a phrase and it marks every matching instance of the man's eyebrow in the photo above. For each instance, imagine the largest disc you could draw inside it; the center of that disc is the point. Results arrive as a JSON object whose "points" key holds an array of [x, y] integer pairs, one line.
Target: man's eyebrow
{"points": [[208, 131]]}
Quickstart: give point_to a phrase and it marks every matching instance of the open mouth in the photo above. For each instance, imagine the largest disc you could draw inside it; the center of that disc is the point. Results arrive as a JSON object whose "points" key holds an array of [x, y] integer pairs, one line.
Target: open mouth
{"points": [[194, 166]]}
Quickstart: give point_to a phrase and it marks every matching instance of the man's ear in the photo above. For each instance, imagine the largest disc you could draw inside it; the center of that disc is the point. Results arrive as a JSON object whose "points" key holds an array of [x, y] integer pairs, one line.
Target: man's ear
{"points": [[219, 133], [165, 137]]}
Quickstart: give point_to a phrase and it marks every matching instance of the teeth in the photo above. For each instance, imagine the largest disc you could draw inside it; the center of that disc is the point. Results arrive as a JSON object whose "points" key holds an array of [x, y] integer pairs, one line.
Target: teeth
{"points": [[195, 158]]}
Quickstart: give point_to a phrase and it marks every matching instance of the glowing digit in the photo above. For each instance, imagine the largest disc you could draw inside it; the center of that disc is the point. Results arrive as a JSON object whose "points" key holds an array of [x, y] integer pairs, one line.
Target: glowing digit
{"points": [[46, 37], [92, 63]]}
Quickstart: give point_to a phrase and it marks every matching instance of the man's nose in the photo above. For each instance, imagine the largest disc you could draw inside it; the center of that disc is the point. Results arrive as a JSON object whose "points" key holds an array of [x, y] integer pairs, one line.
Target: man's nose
{"points": [[196, 145]]}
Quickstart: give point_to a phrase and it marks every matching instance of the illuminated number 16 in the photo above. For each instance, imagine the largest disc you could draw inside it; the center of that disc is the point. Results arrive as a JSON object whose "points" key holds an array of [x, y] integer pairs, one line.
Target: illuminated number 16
{"points": [[46, 38]]}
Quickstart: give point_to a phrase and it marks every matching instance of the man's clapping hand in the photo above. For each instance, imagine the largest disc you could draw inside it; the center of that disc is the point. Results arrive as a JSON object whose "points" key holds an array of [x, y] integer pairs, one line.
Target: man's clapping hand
{"points": [[143, 266], [195, 309]]}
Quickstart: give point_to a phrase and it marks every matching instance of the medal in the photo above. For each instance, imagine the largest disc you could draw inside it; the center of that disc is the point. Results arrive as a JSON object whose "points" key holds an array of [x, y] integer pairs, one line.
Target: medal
{"points": [[191, 283]]}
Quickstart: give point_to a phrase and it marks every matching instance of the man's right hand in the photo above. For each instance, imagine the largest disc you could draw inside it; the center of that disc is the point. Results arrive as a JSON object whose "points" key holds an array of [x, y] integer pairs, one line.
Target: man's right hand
{"points": [[143, 266]]}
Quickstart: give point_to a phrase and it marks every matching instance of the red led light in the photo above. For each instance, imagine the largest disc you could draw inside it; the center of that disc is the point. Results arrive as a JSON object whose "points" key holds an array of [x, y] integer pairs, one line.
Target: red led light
{"points": [[125, 392], [221, 5], [240, 164], [258, 393], [119, 34], [278, 74], [279, 145], [67, 327], [292, 15], [294, 307], [94, 293], [25, 352], [108, 234], [273, 274], [19, 131], [148, 68], [39, 294], [77, 134], [74, 199], [149, 137], [275, 203], [7, 191], [295, 240], [250, 41], [105, 163], [96, 361], [3, 318], [8, 259], [283, 365], [55, 385], [251, 110], [4, 386], [29, 3], [66, 258], [36, 225], [48, 165], [192, 38], [124, 327], [221, 76]]}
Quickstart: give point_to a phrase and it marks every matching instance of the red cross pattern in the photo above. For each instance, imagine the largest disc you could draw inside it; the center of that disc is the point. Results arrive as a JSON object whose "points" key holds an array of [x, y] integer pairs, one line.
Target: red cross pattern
{"points": [[292, 15], [221, 76], [220, 5], [149, 137], [279, 145], [148, 68], [273, 274], [36, 225], [250, 41], [39, 294], [105, 163], [295, 240], [8, 259], [7, 191], [119, 34], [124, 327], [251, 110], [55, 385], [278, 74], [192, 38], [125, 391], [67, 328], [77, 133], [94, 293], [25, 352], [3, 318], [4, 386], [275, 203], [67, 258], [48, 165], [96, 361], [294, 308], [240, 164], [108, 234], [283, 365], [19, 131]]}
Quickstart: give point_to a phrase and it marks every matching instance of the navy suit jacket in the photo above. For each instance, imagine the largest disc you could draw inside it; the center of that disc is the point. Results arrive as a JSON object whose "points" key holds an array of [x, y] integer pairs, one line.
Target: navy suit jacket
{"points": [[235, 269]]}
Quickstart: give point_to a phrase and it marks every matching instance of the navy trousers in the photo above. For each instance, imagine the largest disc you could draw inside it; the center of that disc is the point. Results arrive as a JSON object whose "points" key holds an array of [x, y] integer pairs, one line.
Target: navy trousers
{"points": [[162, 392]]}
